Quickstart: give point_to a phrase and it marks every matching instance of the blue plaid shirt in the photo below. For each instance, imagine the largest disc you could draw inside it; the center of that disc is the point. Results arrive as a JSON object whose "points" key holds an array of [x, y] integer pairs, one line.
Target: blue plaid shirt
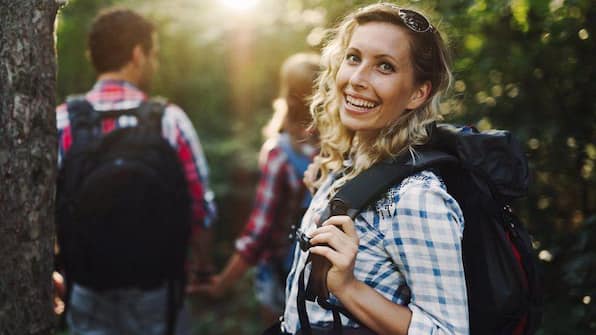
{"points": [[411, 235]]}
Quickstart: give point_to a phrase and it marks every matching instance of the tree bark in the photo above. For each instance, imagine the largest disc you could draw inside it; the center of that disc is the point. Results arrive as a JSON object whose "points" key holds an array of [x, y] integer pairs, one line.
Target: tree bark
{"points": [[27, 165]]}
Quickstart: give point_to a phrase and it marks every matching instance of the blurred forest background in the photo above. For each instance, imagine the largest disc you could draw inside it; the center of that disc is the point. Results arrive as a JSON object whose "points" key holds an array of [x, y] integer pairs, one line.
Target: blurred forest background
{"points": [[523, 65]]}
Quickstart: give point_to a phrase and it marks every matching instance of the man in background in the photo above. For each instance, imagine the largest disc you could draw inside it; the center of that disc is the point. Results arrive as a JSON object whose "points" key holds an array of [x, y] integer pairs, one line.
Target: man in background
{"points": [[123, 49]]}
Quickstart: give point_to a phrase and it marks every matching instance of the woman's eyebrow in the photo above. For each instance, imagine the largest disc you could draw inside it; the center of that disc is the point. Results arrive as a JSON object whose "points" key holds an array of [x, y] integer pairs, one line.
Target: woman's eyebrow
{"points": [[390, 57]]}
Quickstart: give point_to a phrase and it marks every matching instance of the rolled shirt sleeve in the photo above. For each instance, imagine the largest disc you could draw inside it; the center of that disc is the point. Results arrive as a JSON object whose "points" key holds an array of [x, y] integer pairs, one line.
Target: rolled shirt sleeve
{"points": [[256, 234], [178, 130]]}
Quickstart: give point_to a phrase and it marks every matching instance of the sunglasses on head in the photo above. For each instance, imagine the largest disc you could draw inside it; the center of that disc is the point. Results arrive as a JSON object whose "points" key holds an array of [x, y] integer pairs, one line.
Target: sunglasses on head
{"points": [[413, 20]]}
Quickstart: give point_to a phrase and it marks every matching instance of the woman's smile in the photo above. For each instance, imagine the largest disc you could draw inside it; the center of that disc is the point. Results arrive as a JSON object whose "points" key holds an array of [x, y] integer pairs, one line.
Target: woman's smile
{"points": [[359, 105]]}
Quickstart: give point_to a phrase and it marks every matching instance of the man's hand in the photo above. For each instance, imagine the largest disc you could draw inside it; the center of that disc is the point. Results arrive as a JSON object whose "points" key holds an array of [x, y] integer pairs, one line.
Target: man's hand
{"points": [[216, 286], [59, 292]]}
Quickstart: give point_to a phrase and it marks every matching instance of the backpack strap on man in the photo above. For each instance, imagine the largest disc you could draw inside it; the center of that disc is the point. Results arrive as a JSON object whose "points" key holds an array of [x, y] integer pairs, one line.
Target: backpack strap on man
{"points": [[150, 113], [84, 120]]}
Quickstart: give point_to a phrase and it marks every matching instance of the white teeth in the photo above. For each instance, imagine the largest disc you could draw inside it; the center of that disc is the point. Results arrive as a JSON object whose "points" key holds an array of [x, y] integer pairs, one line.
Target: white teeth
{"points": [[360, 102]]}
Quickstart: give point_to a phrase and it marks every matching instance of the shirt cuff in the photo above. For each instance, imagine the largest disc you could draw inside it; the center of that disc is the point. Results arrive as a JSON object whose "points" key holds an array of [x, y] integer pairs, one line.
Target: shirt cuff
{"points": [[244, 251], [421, 323]]}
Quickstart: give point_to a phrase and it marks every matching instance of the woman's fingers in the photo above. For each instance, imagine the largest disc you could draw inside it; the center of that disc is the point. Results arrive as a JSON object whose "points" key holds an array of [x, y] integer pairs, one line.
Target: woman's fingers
{"points": [[344, 223], [336, 258], [339, 247], [334, 238], [339, 260], [338, 235]]}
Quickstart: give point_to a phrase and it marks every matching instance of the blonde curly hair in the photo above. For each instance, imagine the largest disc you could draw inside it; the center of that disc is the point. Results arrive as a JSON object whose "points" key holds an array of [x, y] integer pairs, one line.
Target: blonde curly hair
{"points": [[430, 60]]}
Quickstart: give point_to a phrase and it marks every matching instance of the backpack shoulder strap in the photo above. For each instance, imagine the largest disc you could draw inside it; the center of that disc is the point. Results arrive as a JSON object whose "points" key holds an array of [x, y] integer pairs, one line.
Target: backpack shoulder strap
{"points": [[298, 161], [150, 113], [84, 119], [351, 198], [367, 186]]}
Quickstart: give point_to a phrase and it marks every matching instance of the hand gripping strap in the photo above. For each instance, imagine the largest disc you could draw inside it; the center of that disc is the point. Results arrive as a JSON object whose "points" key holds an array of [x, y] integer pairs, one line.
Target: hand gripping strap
{"points": [[354, 196], [357, 193]]}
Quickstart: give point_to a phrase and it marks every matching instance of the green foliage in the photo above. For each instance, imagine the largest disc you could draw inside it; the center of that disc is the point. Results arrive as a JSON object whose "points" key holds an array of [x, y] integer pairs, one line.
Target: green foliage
{"points": [[570, 293], [526, 66], [523, 65]]}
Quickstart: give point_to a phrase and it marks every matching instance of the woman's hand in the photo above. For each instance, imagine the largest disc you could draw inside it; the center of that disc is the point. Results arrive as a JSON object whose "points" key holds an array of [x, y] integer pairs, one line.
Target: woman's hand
{"points": [[370, 307], [337, 241]]}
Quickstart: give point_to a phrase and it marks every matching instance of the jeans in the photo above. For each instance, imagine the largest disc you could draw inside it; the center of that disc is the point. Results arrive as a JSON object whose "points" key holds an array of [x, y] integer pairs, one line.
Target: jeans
{"points": [[122, 312], [269, 290]]}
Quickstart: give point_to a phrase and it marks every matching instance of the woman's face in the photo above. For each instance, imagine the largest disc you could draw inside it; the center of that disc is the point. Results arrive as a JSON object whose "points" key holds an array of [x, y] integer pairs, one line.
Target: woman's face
{"points": [[375, 81]]}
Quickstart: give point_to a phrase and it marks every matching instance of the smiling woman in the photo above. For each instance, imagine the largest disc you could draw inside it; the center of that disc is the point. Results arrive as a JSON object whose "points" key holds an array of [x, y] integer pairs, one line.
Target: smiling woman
{"points": [[396, 270], [240, 4], [375, 82]]}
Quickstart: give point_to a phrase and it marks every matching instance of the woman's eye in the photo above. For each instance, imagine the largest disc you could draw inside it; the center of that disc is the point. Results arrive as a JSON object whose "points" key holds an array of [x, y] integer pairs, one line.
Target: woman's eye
{"points": [[351, 58], [386, 67]]}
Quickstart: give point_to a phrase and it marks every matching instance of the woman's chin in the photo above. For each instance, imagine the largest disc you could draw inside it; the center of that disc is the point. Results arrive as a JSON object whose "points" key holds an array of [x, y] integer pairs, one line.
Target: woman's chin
{"points": [[356, 124]]}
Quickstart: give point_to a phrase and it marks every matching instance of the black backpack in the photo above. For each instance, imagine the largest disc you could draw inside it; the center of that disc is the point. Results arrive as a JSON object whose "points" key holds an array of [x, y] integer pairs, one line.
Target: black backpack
{"points": [[484, 172], [123, 207]]}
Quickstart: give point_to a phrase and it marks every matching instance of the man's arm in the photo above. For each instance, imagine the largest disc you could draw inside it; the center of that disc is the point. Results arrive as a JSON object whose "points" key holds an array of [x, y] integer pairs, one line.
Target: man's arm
{"points": [[179, 131]]}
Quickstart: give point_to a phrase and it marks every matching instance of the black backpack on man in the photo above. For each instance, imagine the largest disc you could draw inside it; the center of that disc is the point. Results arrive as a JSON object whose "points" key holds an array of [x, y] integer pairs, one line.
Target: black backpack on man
{"points": [[484, 172], [123, 208]]}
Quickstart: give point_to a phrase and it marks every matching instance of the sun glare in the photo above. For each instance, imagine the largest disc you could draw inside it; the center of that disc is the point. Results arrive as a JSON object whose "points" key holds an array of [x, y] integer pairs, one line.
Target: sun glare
{"points": [[240, 4]]}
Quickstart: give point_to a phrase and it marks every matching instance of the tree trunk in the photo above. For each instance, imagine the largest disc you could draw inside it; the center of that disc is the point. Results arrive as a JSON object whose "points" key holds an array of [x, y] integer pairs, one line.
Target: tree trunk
{"points": [[27, 165]]}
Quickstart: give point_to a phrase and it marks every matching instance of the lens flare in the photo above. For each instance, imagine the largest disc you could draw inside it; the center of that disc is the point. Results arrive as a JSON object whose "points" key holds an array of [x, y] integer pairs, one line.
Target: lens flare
{"points": [[240, 4]]}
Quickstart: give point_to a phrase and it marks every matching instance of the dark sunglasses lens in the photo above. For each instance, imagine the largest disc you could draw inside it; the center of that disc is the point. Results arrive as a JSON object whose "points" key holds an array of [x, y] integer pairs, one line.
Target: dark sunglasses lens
{"points": [[414, 20]]}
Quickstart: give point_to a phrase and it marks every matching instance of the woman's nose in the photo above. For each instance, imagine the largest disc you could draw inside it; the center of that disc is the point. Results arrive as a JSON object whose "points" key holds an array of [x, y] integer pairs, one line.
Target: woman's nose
{"points": [[359, 78]]}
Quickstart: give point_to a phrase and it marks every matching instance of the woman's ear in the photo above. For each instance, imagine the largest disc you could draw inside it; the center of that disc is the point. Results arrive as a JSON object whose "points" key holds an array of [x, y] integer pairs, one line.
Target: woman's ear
{"points": [[419, 96]]}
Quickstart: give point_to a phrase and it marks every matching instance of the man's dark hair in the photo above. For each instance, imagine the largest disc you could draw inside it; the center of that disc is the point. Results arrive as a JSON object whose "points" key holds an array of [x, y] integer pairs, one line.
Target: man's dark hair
{"points": [[114, 34]]}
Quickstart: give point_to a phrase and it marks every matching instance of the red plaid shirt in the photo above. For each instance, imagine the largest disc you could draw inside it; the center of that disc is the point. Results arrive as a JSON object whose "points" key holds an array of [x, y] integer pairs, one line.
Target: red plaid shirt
{"points": [[279, 194], [177, 129]]}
